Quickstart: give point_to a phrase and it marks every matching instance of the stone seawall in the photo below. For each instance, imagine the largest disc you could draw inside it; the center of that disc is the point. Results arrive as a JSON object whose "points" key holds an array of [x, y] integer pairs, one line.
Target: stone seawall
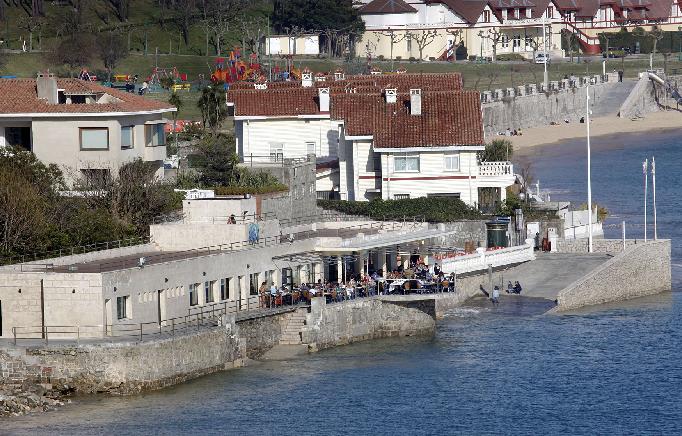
{"points": [[642, 269], [331, 325], [598, 245]]}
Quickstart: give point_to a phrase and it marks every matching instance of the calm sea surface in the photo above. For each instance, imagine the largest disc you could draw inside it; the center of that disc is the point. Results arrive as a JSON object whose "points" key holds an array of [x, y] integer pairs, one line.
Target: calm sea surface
{"points": [[615, 369]]}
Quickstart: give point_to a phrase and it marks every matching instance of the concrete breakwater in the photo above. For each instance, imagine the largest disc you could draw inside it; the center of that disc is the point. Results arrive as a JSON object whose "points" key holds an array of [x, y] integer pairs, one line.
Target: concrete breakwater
{"points": [[131, 367], [641, 269]]}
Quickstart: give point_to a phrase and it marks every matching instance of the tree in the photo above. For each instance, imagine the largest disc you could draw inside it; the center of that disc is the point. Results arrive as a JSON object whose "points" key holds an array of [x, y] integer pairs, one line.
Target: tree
{"points": [[216, 161], [176, 101], [498, 150], [337, 20], [120, 8], [253, 30], [423, 39], [112, 50], [218, 18], [452, 49], [393, 39], [212, 106], [495, 36]]}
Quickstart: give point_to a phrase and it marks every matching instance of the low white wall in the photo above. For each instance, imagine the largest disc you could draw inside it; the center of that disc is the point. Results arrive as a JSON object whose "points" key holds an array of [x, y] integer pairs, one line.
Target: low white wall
{"points": [[178, 237]]}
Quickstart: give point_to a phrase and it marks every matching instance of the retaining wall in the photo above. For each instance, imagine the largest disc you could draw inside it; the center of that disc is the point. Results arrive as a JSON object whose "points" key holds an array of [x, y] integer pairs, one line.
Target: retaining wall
{"points": [[541, 108], [642, 269], [363, 319], [598, 245]]}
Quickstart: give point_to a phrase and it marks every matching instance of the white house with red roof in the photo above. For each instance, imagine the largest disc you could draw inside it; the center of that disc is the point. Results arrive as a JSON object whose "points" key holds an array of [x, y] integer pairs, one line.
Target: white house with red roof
{"points": [[84, 128], [374, 136], [397, 28]]}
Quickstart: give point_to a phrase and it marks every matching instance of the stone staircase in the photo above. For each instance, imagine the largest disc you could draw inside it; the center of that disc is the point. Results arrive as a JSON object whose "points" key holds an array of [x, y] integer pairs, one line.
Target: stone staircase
{"points": [[295, 325]]}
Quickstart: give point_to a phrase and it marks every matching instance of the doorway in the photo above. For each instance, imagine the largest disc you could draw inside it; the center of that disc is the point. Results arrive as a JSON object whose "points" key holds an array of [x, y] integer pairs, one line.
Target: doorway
{"points": [[0, 318], [161, 307], [107, 317]]}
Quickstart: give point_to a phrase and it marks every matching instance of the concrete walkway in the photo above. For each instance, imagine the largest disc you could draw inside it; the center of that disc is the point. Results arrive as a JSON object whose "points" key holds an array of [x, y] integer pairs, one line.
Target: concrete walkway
{"points": [[546, 276]]}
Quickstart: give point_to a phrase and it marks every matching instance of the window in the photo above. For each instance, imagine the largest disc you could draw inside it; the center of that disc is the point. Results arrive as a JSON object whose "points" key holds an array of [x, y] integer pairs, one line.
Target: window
{"points": [[208, 292], [486, 16], [504, 41], [310, 148], [401, 196], [193, 294], [406, 163], [550, 11], [18, 137], [155, 134], [224, 289], [287, 276], [377, 162], [451, 162], [409, 44], [123, 307], [94, 138], [516, 13], [253, 283], [528, 14], [127, 138], [276, 151], [270, 277]]}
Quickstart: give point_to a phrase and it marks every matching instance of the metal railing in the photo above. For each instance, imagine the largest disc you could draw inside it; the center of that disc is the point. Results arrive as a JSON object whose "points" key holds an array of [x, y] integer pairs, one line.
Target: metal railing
{"points": [[275, 159], [491, 169], [196, 319], [71, 251], [227, 219]]}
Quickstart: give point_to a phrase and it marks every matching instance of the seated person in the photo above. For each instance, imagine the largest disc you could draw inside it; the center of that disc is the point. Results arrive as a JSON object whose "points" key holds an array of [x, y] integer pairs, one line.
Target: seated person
{"points": [[510, 288], [517, 287]]}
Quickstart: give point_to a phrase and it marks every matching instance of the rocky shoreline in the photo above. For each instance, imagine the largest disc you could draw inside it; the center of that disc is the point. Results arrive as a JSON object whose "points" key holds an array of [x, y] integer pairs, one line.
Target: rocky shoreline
{"points": [[21, 399]]}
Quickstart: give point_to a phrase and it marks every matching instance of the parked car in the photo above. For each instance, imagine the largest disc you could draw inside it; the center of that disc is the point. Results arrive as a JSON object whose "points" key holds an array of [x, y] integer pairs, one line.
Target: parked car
{"points": [[542, 58]]}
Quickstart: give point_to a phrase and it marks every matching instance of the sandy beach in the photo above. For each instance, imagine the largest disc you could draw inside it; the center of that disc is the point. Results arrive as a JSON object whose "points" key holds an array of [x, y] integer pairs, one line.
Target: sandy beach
{"points": [[599, 126]]}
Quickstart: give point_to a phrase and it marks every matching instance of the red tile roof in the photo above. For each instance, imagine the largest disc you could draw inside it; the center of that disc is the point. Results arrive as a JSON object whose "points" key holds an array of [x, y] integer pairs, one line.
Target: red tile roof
{"points": [[386, 7], [19, 96], [449, 116]]}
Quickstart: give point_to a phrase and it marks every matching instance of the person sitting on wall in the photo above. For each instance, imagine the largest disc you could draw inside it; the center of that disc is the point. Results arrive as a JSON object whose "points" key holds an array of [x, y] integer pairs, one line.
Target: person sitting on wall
{"points": [[517, 288], [510, 288]]}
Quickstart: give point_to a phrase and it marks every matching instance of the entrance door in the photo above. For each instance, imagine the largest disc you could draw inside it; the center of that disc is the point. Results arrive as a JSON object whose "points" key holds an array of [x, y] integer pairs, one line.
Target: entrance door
{"points": [[107, 317], [0, 317], [161, 306]]}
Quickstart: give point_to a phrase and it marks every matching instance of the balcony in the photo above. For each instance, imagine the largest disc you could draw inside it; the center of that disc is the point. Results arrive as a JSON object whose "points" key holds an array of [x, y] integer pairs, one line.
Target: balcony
{"points": [[496, 169]]}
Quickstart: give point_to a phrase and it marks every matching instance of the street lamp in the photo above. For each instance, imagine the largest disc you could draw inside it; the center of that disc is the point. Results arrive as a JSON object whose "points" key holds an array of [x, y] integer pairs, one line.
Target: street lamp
{"points": [[679, 29]]}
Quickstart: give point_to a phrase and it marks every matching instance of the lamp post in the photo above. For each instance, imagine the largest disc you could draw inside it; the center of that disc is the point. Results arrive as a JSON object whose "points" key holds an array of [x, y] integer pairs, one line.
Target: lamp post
{"points": [[653, 183], [544, 50], [645, 166], [679, 29], [589, 172]]}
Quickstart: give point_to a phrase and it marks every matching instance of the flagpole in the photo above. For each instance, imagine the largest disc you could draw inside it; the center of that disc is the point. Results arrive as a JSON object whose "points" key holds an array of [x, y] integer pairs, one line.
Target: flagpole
{"points": [[645, 166], [589, 173], [653, 180]]}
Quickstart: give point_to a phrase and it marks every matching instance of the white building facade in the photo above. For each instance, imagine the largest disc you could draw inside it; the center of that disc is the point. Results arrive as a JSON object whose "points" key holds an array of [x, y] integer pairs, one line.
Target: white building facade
{"points": [[417, 136]]}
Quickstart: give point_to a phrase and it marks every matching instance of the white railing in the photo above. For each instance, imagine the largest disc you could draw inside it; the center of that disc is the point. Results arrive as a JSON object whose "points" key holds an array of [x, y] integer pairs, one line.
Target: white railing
{"points": [[492, 169], [482, 259]]}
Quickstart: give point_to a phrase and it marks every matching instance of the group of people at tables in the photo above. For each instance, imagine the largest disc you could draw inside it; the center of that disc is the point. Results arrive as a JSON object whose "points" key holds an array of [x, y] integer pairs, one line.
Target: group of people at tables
{"points": [[417, 278]]}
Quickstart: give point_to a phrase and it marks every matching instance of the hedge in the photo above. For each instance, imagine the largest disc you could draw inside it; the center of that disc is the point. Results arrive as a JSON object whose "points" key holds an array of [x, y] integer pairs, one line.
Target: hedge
{"points": [[241, 190], [432, 209]]}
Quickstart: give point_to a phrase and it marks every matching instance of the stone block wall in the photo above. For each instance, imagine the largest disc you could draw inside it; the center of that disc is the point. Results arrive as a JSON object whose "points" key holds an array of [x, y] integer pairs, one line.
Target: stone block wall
{"points": [[539, 109], [261, 334], [642, 269], [363, 319], [598, 245]]}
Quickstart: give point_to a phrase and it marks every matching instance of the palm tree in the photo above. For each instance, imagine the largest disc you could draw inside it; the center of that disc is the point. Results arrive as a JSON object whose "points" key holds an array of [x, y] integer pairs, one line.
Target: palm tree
{"points": [[212, 105], [176, 101]]}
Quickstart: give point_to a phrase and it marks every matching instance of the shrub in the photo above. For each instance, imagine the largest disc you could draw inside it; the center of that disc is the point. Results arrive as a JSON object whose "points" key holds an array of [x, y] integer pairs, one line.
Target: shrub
{"points": [[432, 209], [398, 58], [413, 59], [241, 190], [510, 57], [380, 57], [432, 59]]}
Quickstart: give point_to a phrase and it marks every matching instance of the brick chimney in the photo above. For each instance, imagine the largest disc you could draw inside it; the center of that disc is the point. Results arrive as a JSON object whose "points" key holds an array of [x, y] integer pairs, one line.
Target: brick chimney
{"points": [[46, 85], [323, 94], [415, 101], [391, 95]]}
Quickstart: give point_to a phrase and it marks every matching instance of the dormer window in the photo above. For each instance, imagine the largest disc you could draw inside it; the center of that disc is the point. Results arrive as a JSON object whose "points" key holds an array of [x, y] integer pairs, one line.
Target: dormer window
{"points": [[391, 95], [486, 16], [504, 14], [516, 13], [550, 11], [528, 13]]}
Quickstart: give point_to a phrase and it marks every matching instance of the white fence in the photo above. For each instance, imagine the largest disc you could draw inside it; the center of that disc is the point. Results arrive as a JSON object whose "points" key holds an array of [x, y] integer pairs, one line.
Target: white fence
{"points": [[482, 259]]}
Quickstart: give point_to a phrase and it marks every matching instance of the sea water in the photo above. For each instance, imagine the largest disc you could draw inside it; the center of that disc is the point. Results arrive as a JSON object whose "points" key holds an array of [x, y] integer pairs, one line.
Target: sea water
{"points": [[613, 369]]}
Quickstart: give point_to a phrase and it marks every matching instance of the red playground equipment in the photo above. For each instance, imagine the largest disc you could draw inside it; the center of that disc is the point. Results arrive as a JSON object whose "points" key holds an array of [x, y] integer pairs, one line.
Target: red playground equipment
{"points": [[159, 73], [234, 69]]}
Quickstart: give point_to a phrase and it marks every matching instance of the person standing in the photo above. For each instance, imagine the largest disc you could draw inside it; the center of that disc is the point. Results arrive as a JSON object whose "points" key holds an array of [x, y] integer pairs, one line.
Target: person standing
{"points": [[496, 296]]}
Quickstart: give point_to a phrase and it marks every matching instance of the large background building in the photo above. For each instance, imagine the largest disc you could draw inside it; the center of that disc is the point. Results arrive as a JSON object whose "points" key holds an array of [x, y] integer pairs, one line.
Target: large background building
{"points": [[399, 28]]}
